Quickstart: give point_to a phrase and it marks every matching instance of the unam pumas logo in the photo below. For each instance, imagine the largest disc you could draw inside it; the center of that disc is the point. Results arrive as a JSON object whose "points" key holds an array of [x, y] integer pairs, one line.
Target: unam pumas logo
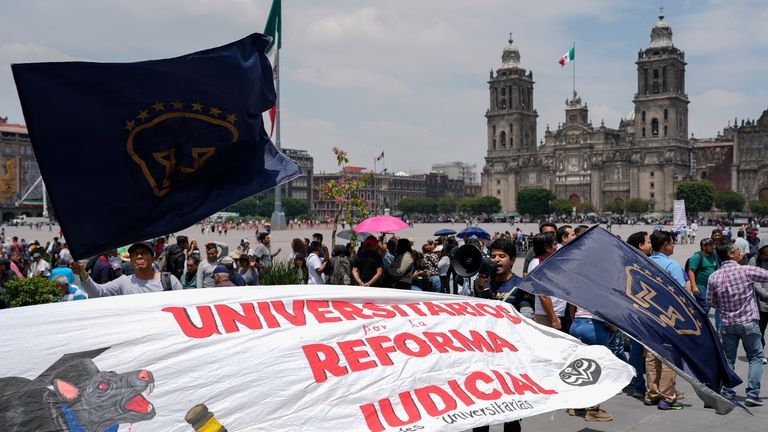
{"points": [[644, 289], [170, 140]]}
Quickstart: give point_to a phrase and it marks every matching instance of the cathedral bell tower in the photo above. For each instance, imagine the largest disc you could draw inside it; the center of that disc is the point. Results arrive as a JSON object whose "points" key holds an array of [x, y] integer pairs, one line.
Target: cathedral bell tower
{"points": [[511, 122], [661, 120]]}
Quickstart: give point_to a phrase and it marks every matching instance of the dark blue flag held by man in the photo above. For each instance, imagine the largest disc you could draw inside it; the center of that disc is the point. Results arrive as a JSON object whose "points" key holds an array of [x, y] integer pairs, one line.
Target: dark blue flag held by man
{"points": [[620, 285], [131, 151]]}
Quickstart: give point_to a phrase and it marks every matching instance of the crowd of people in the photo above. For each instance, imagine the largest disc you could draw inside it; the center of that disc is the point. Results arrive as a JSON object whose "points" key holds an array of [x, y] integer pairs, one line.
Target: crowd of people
{"points": [[729, 275]]}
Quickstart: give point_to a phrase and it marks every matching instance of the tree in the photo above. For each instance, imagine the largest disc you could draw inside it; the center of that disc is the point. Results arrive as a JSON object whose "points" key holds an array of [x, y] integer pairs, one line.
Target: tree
{"points": [[560, 206], [587, 208], [295, 207], [759, 207], [345, 191], [534, 201], [614, 207], [730, 201], [699, 195], [637, 206], [487, 204], [447, 205], [421, 205]]}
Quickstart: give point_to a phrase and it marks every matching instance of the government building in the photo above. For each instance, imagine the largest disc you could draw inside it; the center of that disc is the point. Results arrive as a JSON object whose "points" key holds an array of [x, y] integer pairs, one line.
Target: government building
{"points": [[646, 156]]}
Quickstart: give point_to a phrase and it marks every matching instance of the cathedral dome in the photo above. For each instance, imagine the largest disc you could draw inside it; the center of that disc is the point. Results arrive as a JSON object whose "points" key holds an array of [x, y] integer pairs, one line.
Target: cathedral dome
{"points": [[661, 34], [510, 57]]}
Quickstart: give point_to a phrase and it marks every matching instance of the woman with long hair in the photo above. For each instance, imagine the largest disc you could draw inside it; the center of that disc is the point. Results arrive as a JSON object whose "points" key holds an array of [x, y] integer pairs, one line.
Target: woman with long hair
{"points": [[402, 267]]}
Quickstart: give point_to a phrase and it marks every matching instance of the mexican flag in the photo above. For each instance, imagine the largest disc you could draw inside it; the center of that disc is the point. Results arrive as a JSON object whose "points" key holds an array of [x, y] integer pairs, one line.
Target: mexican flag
{"points": [[380, 157], [568, 57], [274, 30]]}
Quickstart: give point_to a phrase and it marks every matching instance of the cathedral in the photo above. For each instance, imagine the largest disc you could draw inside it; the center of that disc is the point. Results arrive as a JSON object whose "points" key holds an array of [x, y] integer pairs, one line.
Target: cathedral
{"points": [[645, 157]]}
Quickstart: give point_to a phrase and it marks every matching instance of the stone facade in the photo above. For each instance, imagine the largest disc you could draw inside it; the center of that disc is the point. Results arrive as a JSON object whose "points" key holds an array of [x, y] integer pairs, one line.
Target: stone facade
{"points": [[645, 157], [18, 172]]}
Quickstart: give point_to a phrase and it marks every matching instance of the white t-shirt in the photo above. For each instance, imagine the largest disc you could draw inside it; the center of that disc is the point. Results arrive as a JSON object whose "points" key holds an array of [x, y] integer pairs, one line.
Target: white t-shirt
{"points": [[313, 263], [558, 304]]}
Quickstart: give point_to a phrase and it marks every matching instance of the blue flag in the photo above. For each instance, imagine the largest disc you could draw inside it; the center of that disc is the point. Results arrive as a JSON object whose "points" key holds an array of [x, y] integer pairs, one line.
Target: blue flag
{"points": [[619, 284], [131, 151]]}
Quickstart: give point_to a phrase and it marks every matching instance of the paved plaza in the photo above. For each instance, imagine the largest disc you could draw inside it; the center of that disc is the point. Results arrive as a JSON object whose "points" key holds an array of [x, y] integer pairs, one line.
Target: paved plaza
{"points": [[629, 414]]}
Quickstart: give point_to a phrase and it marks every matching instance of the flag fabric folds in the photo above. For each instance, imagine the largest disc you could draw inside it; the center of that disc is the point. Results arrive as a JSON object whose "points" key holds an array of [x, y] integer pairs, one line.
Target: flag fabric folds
{"points": [[130, 151], [380, 157], [273, 29], [620, 285], [568, 57]]}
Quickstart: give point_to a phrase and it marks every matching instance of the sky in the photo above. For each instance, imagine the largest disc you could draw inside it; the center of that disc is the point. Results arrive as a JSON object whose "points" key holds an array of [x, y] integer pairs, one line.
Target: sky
{"points": [[409, 77]]}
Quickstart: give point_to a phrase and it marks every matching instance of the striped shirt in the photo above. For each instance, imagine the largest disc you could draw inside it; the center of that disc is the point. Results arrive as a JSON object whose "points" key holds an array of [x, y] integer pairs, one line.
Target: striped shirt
{"points": [[74, 293], [730, 290]]}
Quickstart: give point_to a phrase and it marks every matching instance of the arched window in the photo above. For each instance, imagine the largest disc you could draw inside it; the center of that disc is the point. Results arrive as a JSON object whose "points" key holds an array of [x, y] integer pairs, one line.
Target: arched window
{"points": [[503, 139], [503, 104], [655, 127], [643, 116], [511, 135], [666, 114]]}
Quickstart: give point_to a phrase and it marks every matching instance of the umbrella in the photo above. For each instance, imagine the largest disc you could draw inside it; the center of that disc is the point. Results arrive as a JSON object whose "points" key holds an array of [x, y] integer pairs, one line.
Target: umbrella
{"points": [[347, 235], [383, 224], [445, 232], [473, 231]]}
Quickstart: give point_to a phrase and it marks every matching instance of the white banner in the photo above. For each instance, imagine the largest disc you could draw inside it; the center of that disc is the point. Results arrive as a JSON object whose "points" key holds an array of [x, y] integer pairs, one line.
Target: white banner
{"points": [[293, 358], [679, 221]]}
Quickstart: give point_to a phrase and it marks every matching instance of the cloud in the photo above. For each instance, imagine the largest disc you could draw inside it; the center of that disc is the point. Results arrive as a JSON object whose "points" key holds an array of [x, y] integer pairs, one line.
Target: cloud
{"points": [[352, 79]]}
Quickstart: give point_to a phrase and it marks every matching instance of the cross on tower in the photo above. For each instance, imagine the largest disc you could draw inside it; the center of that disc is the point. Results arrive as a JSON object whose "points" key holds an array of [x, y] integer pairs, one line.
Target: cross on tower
{"points": [[661, 12]]}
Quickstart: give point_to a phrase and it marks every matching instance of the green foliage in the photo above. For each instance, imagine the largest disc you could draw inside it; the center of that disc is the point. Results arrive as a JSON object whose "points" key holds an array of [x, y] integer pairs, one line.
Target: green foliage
{"points": [[346, 192], [614, 207], [730, 201], [560, 206], [534, 201], [759, 207], [420, 205], [487, 205], [637, 206], [447, 205], [588, 208], [30, 291], [699, 195], [281, 273], [262, 205]]}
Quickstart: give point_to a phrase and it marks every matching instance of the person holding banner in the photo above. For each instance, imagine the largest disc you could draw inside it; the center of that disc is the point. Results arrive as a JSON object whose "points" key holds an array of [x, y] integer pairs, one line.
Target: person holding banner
{"points": [[145, 279], [660, 383], [730, 290]]}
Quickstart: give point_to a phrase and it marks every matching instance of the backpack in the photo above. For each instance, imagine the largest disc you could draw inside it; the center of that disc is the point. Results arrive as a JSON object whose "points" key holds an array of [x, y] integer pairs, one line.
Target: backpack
{"points": [[165, 281], [341, 271]]}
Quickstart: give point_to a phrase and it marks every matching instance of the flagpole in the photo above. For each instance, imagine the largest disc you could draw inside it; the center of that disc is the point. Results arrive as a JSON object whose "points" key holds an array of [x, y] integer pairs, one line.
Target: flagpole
{"points": [[278, 217], [574, 69]]}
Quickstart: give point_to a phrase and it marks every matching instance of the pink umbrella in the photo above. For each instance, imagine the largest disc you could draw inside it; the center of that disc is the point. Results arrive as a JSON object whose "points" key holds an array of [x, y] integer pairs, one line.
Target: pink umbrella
{"points": [[382, 224]]}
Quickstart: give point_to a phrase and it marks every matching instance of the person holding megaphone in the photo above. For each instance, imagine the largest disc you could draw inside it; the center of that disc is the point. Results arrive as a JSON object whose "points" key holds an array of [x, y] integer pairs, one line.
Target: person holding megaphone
{"points": [[495, 279]]}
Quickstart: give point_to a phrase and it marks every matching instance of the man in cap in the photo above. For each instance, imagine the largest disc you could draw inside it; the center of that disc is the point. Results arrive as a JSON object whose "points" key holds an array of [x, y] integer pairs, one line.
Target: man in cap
{"points": [[234, 276], [221, 277], [39, 266], [144, 279]]}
